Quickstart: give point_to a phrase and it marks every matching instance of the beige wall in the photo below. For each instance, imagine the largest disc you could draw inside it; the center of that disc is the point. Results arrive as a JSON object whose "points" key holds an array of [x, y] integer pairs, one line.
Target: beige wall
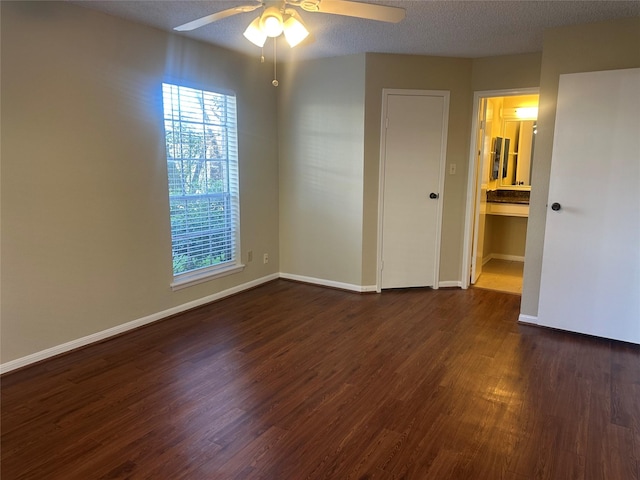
{"points": [[321, 126], [506, 72], [85, 227], [421, 73], [582, 48], [505, 236], [321, 227]]}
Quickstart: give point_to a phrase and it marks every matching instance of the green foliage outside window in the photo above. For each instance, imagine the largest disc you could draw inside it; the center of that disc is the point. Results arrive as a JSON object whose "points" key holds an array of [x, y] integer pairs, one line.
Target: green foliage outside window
{"points": [[197, 130]]}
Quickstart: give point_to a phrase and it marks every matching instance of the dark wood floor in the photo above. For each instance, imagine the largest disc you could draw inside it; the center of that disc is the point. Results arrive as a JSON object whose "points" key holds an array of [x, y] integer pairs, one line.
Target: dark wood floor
{"points": [[291, 381]]}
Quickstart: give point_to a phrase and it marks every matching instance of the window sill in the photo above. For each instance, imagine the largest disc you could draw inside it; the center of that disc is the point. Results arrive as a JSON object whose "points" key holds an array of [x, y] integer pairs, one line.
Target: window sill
{"points": [[194, 278]]}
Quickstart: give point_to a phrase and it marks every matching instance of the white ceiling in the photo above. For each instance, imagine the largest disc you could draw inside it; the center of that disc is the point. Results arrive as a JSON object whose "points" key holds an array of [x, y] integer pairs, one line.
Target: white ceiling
{"points": [[452, 28]]}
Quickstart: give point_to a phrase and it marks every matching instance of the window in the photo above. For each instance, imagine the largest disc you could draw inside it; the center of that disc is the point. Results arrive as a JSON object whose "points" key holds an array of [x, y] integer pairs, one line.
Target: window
{"points": [[202, 164]]}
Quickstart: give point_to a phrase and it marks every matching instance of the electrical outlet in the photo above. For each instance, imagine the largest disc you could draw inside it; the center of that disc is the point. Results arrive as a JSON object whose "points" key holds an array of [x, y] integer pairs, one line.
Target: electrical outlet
{"points": [[265, 258], [452, 169], [249, 256]]}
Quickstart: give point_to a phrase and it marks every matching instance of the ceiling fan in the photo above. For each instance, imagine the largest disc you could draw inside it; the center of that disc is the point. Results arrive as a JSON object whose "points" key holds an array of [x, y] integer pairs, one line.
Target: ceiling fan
{"points": [[277, 18]]}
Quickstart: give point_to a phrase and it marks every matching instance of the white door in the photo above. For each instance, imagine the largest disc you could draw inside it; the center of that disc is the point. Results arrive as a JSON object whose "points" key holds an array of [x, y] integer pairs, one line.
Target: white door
{"points": [[483, 142], [590, 280], [412, 160]]}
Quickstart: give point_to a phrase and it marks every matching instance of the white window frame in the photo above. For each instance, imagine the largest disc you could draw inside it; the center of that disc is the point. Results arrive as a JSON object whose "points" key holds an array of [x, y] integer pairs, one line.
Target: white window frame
{"points": [[215, 149]]}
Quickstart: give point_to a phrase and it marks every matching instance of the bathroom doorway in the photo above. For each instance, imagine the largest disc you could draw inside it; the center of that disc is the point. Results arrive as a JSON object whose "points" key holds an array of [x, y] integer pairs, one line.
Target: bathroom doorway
{"points": [[504, 129]]}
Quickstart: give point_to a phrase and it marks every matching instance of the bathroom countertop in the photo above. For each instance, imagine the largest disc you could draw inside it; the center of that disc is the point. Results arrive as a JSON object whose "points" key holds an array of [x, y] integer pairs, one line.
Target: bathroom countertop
{"points": [[508, 196]]}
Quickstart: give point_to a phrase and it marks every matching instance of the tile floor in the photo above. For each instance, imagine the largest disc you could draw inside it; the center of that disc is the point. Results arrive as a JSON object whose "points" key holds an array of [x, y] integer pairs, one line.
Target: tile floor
{"points": [[501, 275]]}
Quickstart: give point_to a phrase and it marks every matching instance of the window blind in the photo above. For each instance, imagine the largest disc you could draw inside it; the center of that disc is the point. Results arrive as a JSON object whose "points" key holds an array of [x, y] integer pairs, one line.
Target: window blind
{"points": [[202, 164]]}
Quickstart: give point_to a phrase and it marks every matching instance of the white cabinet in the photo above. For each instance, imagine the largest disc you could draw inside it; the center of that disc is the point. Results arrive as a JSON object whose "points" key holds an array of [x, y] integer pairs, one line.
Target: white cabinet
{"points": [[508, 209]]}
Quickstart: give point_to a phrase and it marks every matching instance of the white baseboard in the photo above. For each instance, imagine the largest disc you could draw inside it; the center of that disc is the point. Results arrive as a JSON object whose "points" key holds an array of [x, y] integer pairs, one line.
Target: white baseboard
{"points": [[500, 256], [329, 283], [351, 287], [110, 332], [118, 329], [528, 319], [511, 258]]}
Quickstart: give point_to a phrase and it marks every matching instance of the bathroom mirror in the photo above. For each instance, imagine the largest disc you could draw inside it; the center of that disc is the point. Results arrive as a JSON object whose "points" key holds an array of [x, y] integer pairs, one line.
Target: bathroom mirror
{"points": [[497, 148], [515, 165]]}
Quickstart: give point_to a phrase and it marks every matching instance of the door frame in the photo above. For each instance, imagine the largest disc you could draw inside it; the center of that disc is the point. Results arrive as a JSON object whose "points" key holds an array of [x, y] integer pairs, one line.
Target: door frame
{"points": [[386, 92], [474, 183]]}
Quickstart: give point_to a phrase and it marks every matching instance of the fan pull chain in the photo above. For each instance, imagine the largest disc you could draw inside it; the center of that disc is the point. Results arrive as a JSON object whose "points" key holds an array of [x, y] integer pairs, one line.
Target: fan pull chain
{"points": [[262, 54], [275, 77]]}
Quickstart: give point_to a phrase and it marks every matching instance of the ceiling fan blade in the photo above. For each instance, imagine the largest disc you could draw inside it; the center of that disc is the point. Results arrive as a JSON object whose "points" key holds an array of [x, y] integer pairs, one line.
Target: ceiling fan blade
{"points": [[371, 11], [200, 22]]}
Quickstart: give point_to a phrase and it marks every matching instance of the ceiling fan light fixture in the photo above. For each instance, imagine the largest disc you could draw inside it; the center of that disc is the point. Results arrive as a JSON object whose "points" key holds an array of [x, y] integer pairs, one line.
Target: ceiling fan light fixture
{"points": [[271, 22], [254, 33], [295, 30]]}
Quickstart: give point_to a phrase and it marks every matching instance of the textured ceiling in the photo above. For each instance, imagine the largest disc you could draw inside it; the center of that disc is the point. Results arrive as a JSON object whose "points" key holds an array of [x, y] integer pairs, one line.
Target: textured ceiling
{"points": [[443, 28]]}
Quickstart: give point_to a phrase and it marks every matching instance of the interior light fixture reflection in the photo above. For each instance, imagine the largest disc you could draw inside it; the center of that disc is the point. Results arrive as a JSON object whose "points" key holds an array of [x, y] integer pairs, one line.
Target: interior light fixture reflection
{"points": [[527, 112]]}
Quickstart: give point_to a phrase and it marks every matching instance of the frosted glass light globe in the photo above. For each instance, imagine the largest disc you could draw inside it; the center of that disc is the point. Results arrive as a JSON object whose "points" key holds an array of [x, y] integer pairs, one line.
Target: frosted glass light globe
{"points": [[271, 22]]}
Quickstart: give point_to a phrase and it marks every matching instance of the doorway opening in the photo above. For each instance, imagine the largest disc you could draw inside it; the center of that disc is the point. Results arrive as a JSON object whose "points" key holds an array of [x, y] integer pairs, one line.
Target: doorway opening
{"points": [[504, 129]]}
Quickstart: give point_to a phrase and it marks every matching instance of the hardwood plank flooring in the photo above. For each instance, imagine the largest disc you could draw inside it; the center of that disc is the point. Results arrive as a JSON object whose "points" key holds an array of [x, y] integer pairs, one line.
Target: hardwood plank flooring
{"points": [[292, 381]]}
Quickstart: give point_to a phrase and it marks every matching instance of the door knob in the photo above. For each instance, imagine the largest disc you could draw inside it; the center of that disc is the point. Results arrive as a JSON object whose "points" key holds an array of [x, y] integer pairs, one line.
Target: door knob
{"points": [[555, 206], [433, 195]]}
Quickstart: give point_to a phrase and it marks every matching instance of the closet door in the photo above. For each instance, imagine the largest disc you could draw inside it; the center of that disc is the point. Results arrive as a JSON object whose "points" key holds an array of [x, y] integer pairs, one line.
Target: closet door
{"points": [[413, 155], [591, 262]]}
